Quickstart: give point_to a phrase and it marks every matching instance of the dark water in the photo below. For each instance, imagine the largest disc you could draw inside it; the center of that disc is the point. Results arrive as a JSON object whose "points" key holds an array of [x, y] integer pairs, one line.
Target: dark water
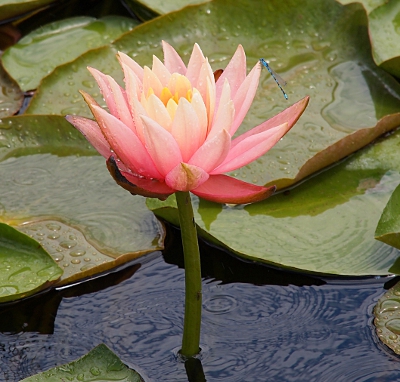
{"points": [[259, 324]]}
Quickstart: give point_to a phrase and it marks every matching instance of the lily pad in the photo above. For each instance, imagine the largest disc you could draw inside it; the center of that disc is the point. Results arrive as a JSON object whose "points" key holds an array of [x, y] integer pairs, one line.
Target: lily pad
{"points": [[384, 27], [39, 52], [100, 364], [148, 9], [11, 96], [388, 229], [325, 225], [387, 318], [13, 8], [25, 267], [384, 31], [25, 135], [55, 189], [369, 5], [320, 48]]}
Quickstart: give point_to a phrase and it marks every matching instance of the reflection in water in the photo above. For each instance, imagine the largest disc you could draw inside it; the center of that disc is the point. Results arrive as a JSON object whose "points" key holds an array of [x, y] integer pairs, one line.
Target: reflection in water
{"points": [[285, 328]]}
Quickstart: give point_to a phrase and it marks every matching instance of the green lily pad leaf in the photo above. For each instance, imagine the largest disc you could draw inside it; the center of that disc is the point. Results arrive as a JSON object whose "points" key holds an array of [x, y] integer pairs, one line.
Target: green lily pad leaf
{"points": [[325, 225], [388, 229], [369, 5], [25, 267], [100, 364], [56, 191], [324, 54], [384, 28], [38, 53], [11, 96], [384, 31], [25, 135], [12, 8], [148, 9], [387, 318]]}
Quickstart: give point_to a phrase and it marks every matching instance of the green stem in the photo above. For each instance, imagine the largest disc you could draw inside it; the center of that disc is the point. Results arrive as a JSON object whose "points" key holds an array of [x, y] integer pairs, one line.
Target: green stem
{"points": [[192, 320]]}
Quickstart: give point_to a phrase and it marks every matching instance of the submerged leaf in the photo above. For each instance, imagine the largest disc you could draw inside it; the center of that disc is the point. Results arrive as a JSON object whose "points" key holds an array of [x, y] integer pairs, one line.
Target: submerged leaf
{"points": [[100, 364], [320, 48], [25, 267], [39, 52], [324, 225]]}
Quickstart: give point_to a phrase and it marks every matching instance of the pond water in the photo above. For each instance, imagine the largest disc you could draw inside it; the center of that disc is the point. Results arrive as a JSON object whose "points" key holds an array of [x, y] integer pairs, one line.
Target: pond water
{"points": [[259, 323]]}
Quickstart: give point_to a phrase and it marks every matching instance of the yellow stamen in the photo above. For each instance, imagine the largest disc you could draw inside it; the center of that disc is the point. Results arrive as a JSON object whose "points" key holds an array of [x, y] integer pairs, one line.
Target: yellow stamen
{"points": [[165, 96], [189, 95]]}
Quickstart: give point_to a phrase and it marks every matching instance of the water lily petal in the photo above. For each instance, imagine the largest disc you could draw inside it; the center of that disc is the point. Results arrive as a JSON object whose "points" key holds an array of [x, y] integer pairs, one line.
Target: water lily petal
{"points": [[186, 129], [133, 65], [172, 60], [91, 130], [195, 64], [185, 177], [156, 110], [149, 188], [225, 189], [201, 112], [206, 85], [105, 89], [121, 103], [126, 145], [225, 113], [235, 73], [161, 146], [244, 97], [289, 115], [160, 71], [251, 148], [151, 83], [136, 108], [213, 152]]}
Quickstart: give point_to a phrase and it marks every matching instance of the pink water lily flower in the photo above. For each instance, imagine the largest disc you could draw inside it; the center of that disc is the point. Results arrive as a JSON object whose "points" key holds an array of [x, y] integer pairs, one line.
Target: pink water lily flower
{"points": [[171, 128]]}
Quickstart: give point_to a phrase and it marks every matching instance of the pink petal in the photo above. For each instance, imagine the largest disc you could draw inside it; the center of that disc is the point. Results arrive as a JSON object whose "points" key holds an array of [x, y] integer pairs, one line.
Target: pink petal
{"points": [[244, 97], [126, 145], [161, 146], [186, 129], [213, 152], [225, 114], [150, 188], [225, 189], [172, 60], [122, 106], [105, 89], [289, 116], [152, 185], [251, 148], [235, 73], [185, 177], [160, 71], [150, 80], [156, 110], [136, 108], [195, 64], [133, 65], [91, 131]]}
